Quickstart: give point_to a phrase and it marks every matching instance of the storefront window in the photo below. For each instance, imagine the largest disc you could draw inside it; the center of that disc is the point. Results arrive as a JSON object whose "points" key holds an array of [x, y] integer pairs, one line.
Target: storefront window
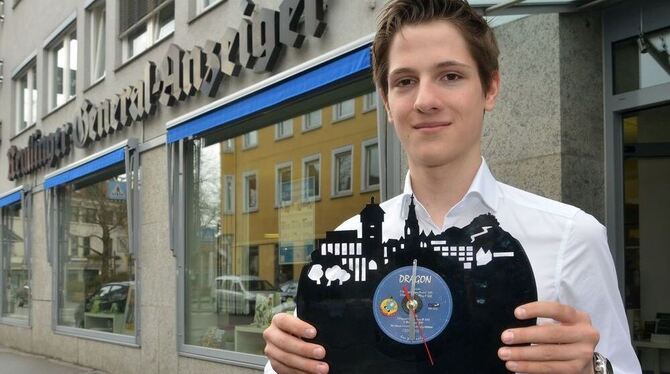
{"points": [[15, 263], [255, 216], [96, 280]]}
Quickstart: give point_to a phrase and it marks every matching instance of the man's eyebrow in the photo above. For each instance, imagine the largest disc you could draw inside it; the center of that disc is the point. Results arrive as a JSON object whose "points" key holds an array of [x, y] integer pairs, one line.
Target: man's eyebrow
{"points": [[440, 65]]}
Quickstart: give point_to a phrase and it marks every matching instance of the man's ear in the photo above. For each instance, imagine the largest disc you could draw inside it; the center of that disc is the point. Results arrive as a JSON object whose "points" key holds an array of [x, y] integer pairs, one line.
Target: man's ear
{"points": [[492, 92], [386, 105]]}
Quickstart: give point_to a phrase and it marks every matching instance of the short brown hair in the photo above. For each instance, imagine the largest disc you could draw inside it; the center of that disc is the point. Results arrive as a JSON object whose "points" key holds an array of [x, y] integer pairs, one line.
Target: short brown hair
{"points": [[474, 28]]}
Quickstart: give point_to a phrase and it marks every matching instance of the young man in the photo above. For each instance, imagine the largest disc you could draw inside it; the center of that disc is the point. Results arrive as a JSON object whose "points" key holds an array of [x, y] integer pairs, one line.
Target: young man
{"points": [[436, 65]]}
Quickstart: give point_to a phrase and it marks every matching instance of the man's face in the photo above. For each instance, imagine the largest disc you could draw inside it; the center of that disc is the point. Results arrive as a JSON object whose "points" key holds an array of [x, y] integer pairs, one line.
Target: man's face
{"points": [[435, 97]]}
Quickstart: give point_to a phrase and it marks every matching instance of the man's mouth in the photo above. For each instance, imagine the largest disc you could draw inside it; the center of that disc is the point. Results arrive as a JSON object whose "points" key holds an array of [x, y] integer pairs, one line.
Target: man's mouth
{"points": [[431, 126]]}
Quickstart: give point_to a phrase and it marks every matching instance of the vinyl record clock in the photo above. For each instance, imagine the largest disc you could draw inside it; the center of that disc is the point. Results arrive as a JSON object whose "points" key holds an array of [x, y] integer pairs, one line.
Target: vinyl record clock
{"points": [[422, 303]]}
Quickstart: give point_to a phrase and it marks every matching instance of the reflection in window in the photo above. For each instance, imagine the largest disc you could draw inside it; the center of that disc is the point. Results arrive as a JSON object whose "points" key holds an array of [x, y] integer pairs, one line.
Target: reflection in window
{"points": [[15, 262], [342, 171], [642, 61], [97, 22], [202, 5], [284, 129], [311, 120], [143, 23], [96, 269], [343, 110], [239, 265], [250, 192], [311, 177], [284, 184], [370, 177], [370, 102], [26, 98], [250, 139], [62, 70]]}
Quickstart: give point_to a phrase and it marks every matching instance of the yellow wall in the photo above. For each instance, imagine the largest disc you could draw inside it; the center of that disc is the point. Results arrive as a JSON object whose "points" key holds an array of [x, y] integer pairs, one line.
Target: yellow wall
{"points": [[261, 227]]}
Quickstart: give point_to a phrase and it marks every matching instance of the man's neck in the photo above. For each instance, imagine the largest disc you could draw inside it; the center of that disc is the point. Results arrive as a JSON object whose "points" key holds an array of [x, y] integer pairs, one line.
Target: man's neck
{"points": [[440, 188]]}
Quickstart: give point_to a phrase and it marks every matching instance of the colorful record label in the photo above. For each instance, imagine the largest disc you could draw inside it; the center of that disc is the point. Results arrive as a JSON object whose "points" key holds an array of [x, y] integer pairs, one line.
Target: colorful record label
{"points": [[432, 303]]}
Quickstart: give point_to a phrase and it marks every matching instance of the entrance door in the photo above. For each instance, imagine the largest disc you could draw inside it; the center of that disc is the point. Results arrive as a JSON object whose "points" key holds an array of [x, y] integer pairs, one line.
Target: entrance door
{"points": [[646, 177]]}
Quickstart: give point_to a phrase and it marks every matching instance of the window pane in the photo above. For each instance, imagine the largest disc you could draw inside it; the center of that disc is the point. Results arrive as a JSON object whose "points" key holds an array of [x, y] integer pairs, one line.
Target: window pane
{"points": [[96, 269], [59, 66], [240, 265], [641, 62], [372, 165], [342, 172], [166, 21], [137, 41], [73, 64], [16, 294], [23, 97], [98, 21]]}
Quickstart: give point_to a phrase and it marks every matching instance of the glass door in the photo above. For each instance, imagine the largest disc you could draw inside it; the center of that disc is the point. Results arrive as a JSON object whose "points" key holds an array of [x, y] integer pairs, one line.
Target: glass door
{"points": [[646, 178]]}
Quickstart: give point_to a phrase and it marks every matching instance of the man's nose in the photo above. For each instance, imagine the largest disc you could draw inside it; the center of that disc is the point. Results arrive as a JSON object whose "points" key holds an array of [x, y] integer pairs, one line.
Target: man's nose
{"points": [[427, 98]]}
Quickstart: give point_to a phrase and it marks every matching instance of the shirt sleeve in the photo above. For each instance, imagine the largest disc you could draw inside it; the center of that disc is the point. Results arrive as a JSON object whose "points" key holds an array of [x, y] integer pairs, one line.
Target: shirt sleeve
{"points": [[588, 282]]}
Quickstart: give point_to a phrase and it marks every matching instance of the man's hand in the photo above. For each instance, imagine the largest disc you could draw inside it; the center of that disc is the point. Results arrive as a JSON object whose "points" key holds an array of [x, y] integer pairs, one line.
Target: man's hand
{"points": [[287, 352], [563, 347]]}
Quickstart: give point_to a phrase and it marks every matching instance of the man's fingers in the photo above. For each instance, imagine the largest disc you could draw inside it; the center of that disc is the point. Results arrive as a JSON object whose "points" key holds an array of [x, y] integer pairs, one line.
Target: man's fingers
{"points": [[561, 352], [284, 362], [550, 334], [549, 309], [294, 325], [292, 344]]}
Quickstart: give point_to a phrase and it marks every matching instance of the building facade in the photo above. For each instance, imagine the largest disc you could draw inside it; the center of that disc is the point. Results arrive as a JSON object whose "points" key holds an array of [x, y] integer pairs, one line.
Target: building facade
{"points": [[168, 166]]}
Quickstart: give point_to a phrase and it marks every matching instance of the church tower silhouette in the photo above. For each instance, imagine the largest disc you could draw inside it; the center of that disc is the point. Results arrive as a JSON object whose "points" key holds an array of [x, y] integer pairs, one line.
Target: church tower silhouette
{"points": [[372, 217], [412, 226]]}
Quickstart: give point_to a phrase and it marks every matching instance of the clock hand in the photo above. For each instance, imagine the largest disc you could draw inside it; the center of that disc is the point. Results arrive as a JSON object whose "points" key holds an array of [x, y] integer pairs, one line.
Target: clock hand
{"points": [[412, 330], [412, 312]]}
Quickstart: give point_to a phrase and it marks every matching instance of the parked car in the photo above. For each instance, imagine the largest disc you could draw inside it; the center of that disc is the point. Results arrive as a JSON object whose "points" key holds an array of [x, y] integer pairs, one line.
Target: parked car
{"points": [[288, 290], [236, 294], [108, 298]]}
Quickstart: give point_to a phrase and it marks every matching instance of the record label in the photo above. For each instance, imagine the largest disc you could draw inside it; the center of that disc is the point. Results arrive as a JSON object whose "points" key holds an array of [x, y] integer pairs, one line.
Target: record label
{"points": [[393, 306]]}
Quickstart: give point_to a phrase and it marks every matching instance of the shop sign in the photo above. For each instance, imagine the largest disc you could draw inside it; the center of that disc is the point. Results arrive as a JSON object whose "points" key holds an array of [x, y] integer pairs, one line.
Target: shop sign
{"points": [[255, 45]]}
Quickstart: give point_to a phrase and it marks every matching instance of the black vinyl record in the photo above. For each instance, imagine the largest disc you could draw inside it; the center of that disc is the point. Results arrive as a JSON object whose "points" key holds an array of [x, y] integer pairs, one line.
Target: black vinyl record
{"points": [[417, 304]]}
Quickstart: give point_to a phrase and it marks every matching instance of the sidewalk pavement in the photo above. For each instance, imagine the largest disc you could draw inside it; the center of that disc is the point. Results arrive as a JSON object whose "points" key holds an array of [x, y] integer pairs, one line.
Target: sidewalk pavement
{"points": [[16, 362]]}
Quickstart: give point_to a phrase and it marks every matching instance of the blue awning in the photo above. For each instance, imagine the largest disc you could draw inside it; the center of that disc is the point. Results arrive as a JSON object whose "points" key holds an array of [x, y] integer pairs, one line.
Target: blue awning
{"points": [[10, 198], [99, 163], [311, 81]]}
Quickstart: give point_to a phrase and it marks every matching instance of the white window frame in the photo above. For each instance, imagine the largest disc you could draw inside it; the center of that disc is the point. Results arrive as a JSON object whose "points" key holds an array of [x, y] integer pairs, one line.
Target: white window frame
{"points": [[339, 115], [365, 187], [97, 28], [200, 6], [246, 140], [247, 208], [305, 161], [370, 102], [334, 188], [309, 116], [152, 21], [51, 56], [283, 125], [228, 194], [278, 190], [228, 145], [29, 72]]}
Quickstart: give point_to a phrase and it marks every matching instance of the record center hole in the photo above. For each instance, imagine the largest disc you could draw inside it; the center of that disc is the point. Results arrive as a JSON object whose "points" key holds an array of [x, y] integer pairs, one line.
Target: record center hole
{"points": [[412, 304]]}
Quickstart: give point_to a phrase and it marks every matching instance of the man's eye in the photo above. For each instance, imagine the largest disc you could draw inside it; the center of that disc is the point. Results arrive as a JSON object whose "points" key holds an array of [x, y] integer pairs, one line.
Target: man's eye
{"points": [[404, 82], [452, 77]]}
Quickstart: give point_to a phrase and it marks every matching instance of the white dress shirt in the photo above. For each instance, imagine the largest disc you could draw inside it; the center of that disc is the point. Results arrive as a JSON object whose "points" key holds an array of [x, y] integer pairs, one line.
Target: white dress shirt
{"points": [[567, 249]]}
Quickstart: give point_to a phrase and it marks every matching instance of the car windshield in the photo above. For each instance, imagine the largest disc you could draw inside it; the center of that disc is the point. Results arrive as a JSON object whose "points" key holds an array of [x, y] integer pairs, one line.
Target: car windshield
{"points": [[258, 285]]}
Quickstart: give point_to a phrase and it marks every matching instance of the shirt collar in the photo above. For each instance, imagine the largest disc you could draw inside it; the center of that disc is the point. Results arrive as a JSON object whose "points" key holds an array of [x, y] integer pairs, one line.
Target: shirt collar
{"points": [[483, 187]]}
